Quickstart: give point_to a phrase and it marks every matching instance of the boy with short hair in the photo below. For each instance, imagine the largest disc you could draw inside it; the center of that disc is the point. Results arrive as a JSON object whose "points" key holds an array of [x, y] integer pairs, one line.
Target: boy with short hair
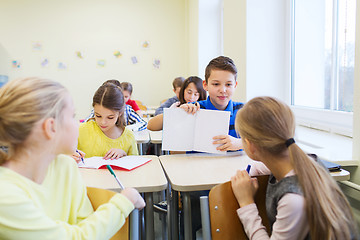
{"points": [[177, 83], [220, 83]]}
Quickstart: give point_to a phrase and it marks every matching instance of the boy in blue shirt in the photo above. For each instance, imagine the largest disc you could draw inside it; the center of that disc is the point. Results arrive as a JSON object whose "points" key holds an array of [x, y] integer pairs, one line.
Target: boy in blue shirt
{"points": [[220, 83]]}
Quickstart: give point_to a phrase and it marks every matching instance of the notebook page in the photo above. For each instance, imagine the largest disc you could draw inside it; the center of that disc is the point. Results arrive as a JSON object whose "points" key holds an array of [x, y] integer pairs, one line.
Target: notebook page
{"points": [[127, 162], [210, 123], [178, 130]]}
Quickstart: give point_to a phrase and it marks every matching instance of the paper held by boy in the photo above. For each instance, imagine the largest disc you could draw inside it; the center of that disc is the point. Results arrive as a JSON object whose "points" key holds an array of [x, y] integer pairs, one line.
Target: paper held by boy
{"points": [[193, 132]]}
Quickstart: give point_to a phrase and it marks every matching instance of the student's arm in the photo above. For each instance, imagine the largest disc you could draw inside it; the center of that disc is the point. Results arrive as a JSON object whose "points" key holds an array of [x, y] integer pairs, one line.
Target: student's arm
{"points": [[228, 143], [156, 123], [134, 118]]}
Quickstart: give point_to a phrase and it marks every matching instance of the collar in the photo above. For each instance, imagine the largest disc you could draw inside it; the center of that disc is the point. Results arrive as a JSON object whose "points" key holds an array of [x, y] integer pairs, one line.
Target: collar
{"points": [[229, 107]]}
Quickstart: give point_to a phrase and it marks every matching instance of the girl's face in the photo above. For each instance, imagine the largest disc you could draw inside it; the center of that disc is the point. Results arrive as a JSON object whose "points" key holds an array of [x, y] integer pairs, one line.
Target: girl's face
{"points": [[127, 95], [105, 118], [191, 93], [69, 129]]}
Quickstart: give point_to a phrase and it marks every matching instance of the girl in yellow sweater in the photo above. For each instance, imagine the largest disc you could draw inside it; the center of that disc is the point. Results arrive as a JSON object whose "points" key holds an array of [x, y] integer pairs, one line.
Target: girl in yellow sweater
{"points": [[105, 135]]}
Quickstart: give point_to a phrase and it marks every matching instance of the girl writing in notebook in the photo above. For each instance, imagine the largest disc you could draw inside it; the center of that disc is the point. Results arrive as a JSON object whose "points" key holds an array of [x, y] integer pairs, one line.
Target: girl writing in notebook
{"points": [[42, 195], [191, 91], [302, 199], [106, 135]]}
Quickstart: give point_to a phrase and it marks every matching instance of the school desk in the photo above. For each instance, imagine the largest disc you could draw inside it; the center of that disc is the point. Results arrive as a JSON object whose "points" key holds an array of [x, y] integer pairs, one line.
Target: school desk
{"points": [[156, 139], [201, 171], [146, 179], [141, 137]]}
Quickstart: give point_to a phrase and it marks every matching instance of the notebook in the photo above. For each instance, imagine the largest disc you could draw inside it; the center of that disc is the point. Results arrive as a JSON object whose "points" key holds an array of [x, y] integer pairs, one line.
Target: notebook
{"points": [[193, 132], [126, 163]]}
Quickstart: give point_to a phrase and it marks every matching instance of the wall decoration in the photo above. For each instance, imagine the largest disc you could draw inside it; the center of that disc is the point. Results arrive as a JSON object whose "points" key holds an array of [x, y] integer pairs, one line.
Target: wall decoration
{"points": [[79, 54], [134, 60], [117, 54], [16, 64], [156, 63], [37, 46], [62, 66], [45, 62], [101, 63], [146, 44]]}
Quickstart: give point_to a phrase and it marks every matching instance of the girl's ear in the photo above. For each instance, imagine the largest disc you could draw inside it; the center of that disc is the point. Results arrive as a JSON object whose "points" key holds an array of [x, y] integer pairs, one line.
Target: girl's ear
{"points": [[49, 128], [250, 146]]}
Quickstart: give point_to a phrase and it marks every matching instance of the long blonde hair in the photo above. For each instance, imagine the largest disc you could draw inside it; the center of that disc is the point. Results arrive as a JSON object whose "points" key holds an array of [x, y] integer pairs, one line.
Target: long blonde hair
{"points": [[23, 102], [268, 123]]}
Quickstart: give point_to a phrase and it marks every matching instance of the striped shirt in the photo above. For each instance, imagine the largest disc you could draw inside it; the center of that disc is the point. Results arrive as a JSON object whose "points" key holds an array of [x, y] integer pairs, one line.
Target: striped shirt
{"points": [[131, 118], [232, 107]]}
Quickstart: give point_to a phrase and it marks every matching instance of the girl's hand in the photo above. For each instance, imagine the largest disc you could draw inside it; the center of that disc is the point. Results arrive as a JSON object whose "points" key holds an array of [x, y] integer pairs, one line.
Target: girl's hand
{"points": [[244, 187], [78, 155], [114, 153], [227, 143], [190, 108], [133, 195]]}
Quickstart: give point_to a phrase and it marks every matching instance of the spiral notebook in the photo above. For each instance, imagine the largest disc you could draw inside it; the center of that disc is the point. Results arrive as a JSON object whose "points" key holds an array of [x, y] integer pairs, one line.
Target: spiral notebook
{"points": [[126, 163]]}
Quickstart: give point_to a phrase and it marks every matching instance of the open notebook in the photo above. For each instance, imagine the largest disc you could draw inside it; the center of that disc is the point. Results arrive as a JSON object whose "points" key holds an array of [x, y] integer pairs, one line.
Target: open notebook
{"points": [[193, 132], [127, 163]]}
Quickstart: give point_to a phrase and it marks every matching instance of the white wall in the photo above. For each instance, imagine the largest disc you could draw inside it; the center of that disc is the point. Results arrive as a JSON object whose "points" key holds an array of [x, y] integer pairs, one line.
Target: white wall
{"points": [[98, 28]]}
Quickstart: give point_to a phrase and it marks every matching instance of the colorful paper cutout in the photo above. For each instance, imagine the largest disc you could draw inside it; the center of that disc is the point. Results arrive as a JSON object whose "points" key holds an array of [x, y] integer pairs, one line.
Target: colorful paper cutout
{"points": [[44, 62], [37, 46], [101, 63], [79, 54], [62, 66], [156, 63], [117, 54], [134, 60], [15, 64], [146, 44]]}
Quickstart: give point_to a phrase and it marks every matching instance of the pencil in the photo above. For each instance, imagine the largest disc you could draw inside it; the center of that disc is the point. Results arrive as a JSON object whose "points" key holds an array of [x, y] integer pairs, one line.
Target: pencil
{"points": [[112, 172]]}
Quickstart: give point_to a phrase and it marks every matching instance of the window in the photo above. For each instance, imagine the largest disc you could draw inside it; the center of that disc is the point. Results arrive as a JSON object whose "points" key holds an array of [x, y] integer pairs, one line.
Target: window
{"points": [[322, 60]]}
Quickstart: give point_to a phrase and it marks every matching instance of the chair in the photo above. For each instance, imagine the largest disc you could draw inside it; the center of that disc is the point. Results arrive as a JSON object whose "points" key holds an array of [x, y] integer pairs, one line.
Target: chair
{"points": [[222, 221], [100, 196]]}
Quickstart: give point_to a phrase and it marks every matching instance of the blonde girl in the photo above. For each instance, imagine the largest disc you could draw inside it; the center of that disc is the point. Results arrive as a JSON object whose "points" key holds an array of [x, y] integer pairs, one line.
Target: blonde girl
{"points": [[107, 135], [42, 195], [302, 199]]}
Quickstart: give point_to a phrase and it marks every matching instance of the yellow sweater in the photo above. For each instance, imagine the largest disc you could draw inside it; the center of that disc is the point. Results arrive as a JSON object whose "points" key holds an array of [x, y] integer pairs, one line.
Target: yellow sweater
{"points": [[93, 142], [56, 209]]}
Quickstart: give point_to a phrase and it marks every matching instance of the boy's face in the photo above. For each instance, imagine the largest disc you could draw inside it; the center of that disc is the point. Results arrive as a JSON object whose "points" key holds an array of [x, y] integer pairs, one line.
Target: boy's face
{"points": [[221, 85], [177, 91], [127, 95]]}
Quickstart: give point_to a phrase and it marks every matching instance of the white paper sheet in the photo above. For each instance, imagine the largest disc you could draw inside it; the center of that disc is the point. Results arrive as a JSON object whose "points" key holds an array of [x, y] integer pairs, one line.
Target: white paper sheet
{"points": [[187, 132]]}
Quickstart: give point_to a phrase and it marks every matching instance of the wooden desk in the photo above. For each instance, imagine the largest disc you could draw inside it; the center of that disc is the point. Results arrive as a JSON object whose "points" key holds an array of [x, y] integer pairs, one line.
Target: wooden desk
{"points": [[197, 172], [141, 137], [146, 179]]}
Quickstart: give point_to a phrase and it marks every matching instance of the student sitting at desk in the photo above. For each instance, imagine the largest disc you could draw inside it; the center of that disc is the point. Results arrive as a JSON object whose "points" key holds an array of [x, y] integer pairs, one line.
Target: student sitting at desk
{"points": [[107, 135], [131, 117], [191, 91], [302, 201], [42, 195]]}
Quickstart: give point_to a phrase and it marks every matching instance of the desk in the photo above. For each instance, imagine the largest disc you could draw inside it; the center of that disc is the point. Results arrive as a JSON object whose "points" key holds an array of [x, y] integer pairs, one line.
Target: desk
{"points": [[197, 172], [156, 138], [146, 179], [141, 137]]}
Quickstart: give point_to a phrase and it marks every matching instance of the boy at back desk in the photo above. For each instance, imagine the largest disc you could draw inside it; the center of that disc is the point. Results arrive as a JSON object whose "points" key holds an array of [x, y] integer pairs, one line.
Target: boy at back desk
{"points": [[220, 83]]}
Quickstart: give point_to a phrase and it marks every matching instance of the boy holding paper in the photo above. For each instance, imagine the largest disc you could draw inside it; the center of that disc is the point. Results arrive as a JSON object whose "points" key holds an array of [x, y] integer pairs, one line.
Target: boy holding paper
{"points": [[220, 83]]}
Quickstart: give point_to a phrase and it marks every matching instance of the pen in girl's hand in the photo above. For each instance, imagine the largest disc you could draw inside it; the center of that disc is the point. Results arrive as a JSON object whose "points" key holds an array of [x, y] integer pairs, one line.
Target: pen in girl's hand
{"points": [[248, 168], [82, 159]]}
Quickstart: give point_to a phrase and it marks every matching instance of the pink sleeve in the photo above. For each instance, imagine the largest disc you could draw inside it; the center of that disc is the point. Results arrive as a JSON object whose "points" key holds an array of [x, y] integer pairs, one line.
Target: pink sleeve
{"points": [[290, 220], [258, 169]]}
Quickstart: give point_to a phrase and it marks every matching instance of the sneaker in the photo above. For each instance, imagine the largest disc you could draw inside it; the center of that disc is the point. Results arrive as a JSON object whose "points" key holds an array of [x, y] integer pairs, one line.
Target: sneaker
{"points": [[161, 206]]}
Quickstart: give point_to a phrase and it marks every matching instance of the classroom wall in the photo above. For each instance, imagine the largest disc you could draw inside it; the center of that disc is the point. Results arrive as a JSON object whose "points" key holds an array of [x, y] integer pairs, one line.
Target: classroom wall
{"points": [[97, 28]]}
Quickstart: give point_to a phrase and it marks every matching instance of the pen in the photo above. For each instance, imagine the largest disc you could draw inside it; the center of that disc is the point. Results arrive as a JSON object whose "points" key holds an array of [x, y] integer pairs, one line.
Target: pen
{"points": [[248, 168], [82, 159], [112, 172]]}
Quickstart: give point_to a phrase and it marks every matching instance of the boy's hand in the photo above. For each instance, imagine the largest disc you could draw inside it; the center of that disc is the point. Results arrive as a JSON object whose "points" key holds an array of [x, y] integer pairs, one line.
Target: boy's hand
{"points": [[228, 143], [114, 153], [244, 187], [190, 107]]}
